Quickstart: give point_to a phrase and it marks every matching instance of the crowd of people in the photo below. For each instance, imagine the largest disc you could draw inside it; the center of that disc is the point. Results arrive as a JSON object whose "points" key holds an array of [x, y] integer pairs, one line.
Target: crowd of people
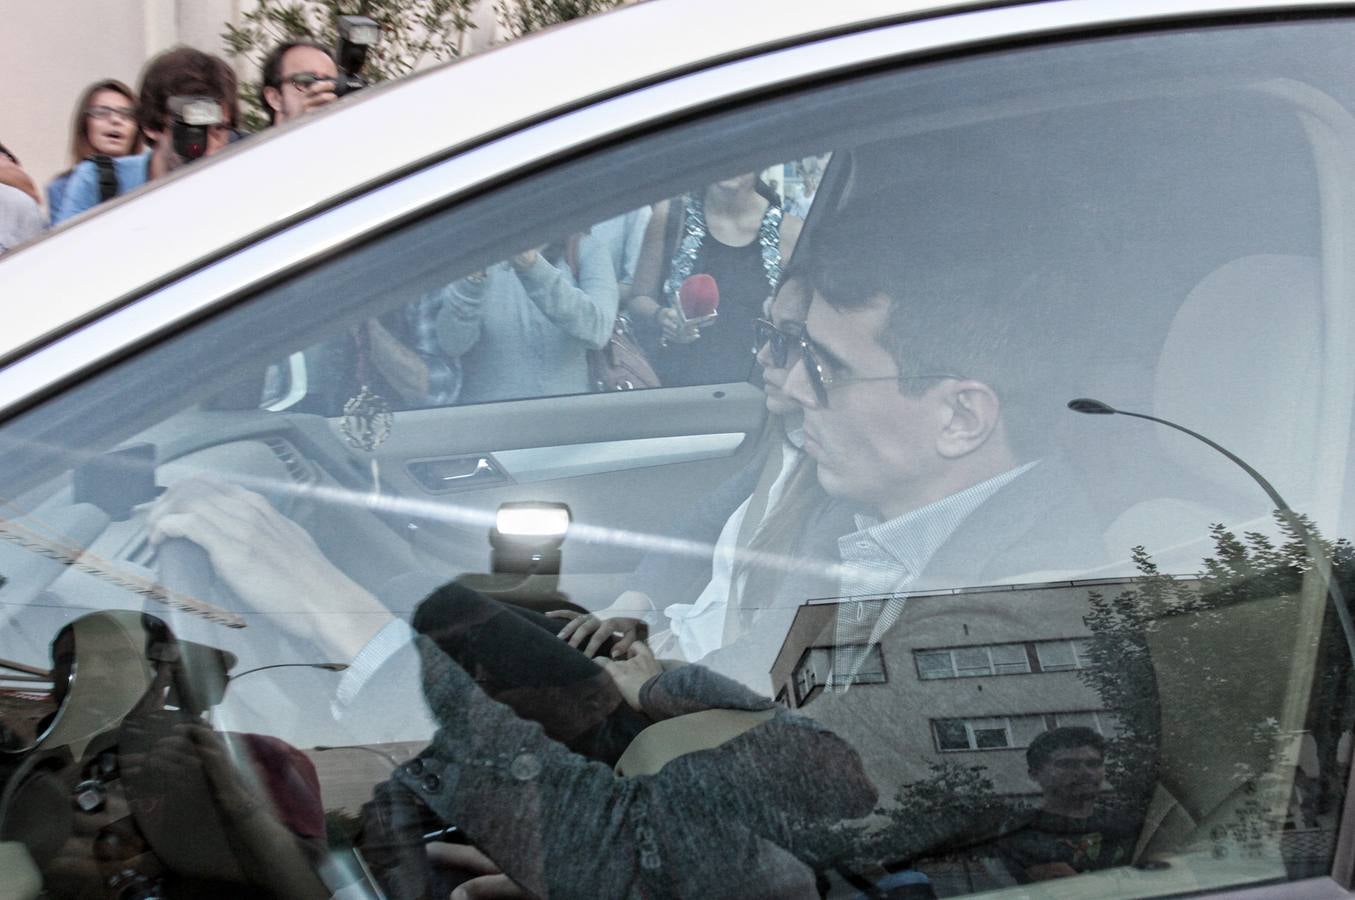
{"points": [[544, 321]]}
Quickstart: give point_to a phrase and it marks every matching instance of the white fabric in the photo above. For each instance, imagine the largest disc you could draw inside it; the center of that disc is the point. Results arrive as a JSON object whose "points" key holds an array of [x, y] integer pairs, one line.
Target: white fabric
{"points": [[884, 557], [699, 627], [20, 218]]}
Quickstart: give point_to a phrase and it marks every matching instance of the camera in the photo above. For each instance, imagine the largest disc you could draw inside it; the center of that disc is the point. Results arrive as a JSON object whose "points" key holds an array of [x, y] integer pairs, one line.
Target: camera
{"points": [[193, 117], [356, 35]]}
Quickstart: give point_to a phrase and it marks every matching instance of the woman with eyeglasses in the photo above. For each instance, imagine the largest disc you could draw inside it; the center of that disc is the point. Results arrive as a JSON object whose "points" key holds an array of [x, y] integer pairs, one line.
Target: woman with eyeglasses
{"points": [[105, 124]]}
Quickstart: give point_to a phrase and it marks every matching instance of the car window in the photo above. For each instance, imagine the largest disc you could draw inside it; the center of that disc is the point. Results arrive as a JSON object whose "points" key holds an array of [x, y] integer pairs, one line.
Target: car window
{"points": [[992, 414]]}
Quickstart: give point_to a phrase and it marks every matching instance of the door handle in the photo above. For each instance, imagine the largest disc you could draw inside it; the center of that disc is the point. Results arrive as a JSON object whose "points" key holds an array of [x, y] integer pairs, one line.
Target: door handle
{"points": [[482, 466], [455, 473]]}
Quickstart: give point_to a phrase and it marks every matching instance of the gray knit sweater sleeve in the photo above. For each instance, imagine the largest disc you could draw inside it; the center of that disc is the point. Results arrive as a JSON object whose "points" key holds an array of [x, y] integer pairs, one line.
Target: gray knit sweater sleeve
{"points": [[732, 821]]}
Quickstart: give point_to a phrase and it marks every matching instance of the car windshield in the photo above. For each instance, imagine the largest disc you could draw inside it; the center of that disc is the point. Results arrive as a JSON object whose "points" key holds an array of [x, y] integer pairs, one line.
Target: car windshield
{"points": [[927, 482]]}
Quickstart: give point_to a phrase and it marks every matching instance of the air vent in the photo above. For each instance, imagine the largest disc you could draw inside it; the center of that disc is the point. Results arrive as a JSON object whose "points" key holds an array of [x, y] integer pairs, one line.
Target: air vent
{"points": [[297, 465]]}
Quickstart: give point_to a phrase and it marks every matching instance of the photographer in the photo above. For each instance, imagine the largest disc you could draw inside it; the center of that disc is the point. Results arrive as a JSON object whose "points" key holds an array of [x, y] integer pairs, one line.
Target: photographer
{"points": [[299, 77], [182, 72]]}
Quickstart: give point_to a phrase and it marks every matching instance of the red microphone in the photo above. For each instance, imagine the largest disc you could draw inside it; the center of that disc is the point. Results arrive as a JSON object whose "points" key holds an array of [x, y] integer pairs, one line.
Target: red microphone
{"points": [[699, 298]]}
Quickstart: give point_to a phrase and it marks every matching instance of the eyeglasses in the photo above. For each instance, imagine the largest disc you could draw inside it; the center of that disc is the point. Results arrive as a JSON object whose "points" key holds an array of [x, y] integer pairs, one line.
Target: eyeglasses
{"points": [[778, 341], [302, 81], [100, 113], [821, 379]]}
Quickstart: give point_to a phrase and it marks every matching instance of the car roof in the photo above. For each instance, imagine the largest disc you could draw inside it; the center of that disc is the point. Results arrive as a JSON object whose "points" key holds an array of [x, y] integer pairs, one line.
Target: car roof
{"points": [[203, 211]]}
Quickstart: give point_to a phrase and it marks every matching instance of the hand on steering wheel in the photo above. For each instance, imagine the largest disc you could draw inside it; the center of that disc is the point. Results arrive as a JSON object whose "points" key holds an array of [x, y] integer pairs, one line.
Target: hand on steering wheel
{"points": [[589, 632], [270, 562]]}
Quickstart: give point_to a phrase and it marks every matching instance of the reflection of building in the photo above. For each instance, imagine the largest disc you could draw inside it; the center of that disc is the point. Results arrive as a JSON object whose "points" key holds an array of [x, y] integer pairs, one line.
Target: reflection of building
{"points": [[968, 676]]}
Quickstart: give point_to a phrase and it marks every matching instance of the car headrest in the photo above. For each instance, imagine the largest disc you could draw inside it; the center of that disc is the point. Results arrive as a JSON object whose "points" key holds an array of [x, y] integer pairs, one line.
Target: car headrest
{"points": [[1242, 365]]}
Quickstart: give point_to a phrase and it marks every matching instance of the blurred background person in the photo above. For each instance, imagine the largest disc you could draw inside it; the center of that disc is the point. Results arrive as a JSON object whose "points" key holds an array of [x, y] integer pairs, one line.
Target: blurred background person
{"points": [[735, 231], [523, 328], [104, 124], [20, 215], [623, 237], [180, 72], [298, 78]]}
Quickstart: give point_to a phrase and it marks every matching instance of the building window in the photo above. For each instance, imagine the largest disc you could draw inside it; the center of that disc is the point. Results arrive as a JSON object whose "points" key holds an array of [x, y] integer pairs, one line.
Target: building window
{"points": [[1003, 659], [1012, 732], [821, 667]]}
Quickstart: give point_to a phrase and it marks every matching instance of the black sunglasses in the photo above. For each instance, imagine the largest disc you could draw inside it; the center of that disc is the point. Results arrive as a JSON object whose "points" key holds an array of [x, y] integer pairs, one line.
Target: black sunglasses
{"points": [[821, 379], [778, 342]]}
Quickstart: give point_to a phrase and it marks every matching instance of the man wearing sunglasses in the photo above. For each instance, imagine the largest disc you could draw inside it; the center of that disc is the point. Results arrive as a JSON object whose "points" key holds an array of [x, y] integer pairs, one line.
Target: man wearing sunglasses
{"points": [[298, 78], [925, 377]]}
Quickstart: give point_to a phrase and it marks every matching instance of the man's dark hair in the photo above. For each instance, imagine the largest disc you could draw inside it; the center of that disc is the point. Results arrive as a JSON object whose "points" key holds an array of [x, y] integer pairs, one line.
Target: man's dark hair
{"points": [[1068, 737], [968, 297], [184, 71], [272, 70]]}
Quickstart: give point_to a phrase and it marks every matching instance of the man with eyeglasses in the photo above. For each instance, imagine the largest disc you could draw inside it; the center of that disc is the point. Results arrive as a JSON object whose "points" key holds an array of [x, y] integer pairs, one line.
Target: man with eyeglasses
{"points": [[298, 78], [179, 72], [925, 375]]}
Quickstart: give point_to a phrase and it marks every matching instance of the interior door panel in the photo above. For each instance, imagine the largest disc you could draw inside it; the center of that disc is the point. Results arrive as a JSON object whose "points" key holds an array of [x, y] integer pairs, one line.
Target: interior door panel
{"points": [[629, 463]]}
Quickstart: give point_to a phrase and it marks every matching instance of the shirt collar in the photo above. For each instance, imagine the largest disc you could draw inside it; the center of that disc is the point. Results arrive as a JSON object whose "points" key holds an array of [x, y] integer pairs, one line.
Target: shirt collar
{"points": [[910, 540]]}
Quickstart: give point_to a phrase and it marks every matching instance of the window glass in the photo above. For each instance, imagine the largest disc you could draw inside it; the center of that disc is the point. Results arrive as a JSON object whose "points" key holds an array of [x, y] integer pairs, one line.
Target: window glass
{"points": [[990, 733], [1010, 659], [1056, 656], [951, 734], [972, 661], [323, 635], [935, 664]]}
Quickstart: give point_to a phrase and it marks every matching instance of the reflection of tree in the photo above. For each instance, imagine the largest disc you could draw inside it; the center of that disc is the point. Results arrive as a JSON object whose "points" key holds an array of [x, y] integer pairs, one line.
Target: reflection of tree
{"points": [[955, 806], [1202, 664]]}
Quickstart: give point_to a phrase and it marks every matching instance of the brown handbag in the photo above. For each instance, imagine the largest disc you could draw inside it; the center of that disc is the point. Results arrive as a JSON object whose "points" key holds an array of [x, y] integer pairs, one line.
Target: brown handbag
{"points": [[621, 365]]}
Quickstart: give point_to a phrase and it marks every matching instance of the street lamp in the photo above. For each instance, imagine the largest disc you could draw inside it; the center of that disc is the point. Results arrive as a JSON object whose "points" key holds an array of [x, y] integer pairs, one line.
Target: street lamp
{"points": [[322, 748], [324, 666], [1092, 407]]}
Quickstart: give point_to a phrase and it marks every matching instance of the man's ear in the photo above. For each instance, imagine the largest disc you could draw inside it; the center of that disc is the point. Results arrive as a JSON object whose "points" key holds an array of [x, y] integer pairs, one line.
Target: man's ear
{"points": [[972, 412], [273, 97]]}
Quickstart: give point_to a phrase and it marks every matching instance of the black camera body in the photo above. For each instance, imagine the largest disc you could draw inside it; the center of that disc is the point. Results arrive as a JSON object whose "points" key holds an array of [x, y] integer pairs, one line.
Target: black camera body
{"points": [[356, 35], [193, 117]]}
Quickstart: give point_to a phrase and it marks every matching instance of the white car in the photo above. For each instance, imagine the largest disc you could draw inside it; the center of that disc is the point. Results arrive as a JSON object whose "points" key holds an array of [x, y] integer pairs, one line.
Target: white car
{"points": [[311, 447]]}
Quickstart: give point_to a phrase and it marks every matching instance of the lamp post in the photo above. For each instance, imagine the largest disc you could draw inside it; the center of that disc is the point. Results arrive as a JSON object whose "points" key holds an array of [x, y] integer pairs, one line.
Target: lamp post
{"points": [[324, 666], [1316, 552], [323, 748]]}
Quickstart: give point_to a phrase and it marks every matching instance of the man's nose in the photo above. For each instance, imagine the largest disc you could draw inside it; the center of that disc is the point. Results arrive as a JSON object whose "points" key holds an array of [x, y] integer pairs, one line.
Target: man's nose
{"points": [[763, 355], [798, 387]]}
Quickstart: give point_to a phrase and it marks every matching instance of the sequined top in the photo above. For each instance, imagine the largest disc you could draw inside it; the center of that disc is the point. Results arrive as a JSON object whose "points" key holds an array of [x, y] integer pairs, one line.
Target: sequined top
{"points": [[746, 276]]}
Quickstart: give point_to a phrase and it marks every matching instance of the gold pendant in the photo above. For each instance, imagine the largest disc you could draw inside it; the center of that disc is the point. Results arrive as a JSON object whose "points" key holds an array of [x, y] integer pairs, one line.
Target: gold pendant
{"points": [[366, 420]]}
